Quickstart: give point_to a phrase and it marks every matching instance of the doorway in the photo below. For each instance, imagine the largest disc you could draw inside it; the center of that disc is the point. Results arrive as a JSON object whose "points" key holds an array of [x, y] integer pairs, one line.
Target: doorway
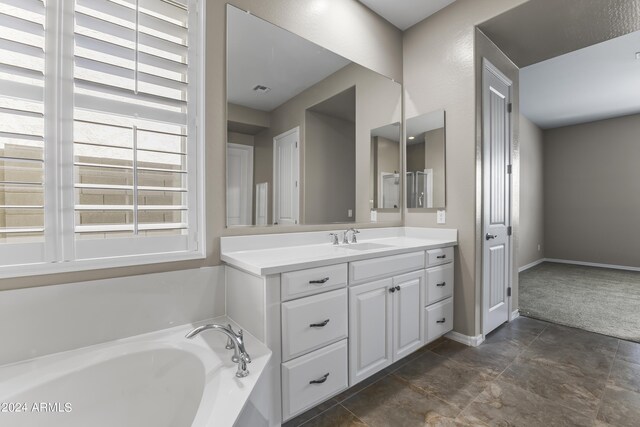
{"points": [[286, 177], [239, 184]]}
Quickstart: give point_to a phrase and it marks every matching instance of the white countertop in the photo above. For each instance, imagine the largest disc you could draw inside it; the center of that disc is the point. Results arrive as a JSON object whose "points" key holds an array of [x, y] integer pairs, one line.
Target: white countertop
{"points": [[281, 253]]}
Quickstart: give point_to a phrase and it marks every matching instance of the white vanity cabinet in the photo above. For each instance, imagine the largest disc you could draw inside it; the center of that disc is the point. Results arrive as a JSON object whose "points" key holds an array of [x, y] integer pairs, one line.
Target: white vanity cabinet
{"points": [[438, 296], [332, 324]]}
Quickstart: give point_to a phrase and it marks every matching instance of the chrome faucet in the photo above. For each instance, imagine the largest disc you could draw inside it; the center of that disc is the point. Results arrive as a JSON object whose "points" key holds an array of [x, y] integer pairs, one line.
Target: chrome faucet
{"points": [[345, 238], [235, 341], [334, 238]]}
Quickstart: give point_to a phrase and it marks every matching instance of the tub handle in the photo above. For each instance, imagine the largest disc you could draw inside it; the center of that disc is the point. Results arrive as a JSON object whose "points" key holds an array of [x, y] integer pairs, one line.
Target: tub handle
{"points": [[320, 380], [319, 325]]}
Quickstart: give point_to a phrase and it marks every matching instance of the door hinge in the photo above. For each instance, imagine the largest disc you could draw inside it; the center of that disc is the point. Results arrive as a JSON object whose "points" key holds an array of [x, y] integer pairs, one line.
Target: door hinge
{"points": [[509, 231], [509, 107], [509, 291], [509, 169]]}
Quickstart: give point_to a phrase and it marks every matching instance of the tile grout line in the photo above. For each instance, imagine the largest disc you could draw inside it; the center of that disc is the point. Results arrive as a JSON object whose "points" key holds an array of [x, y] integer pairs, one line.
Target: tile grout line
{"points": [[520, 352], [606, 384], [357, 417], [317, 415]]}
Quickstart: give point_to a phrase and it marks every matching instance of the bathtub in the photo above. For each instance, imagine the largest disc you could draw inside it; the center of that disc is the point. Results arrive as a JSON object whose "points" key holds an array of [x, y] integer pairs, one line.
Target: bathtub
{"points": [[159, 379]]}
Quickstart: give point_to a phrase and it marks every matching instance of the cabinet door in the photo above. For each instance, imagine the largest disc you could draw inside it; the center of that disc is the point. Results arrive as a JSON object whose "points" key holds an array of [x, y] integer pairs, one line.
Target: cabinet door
{"points": [[407, 312], [370, 329]]}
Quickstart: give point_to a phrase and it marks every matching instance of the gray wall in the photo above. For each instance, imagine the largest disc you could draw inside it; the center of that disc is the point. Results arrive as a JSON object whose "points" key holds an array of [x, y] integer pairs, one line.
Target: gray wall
{"points": [[441, 70], [592, 192], [345, 27], [531, 194], [329, 185]]}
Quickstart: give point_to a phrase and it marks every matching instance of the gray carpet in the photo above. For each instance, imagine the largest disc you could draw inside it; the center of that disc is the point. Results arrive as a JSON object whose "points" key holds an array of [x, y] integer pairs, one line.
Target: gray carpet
{"points": [[594, 299]]}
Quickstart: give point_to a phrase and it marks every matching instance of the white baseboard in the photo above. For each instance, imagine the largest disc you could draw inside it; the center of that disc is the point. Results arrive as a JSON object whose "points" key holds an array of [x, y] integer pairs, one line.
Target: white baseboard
{"points": [[533, 264], [465, 339], [515, 314], [592, 264]]}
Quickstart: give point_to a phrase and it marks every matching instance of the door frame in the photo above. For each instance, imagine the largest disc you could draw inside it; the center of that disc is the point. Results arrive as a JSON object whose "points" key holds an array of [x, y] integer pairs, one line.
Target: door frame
{"points": [[295, 130], [488, 67], [247, 199]]}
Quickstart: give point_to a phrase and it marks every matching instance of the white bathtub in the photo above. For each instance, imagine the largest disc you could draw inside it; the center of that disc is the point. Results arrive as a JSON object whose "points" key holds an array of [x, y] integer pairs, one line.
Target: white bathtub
{"points": [[159, 379]]}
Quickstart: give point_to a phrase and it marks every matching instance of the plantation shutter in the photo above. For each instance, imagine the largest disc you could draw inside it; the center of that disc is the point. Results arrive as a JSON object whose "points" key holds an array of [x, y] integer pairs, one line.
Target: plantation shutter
{"points": [[130, 119], [22, 130]]}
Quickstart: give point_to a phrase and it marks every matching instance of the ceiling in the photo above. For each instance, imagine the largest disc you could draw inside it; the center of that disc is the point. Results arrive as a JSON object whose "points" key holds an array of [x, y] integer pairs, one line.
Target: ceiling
{"points": [[260, 53], [542, 29], [391, 132], [405, 13], [594, 83]]}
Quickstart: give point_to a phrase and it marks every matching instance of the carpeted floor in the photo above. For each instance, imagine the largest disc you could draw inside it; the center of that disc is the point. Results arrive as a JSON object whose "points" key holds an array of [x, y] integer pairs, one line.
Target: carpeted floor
{"points": [[599, 300]]}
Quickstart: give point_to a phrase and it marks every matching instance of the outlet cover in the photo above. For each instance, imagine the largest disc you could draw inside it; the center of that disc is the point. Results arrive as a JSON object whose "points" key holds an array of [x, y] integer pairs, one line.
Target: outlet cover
{"points": [[441, 216], [350, 213]]}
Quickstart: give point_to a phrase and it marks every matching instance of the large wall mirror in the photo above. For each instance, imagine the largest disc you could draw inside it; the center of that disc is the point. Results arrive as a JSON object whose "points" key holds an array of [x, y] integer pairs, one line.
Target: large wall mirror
{"points": [[426, 147], [312, 138]]}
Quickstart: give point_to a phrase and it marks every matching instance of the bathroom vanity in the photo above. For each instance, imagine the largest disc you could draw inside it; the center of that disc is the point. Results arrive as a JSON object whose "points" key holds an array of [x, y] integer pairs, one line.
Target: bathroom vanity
{"points": [[334, 315]]}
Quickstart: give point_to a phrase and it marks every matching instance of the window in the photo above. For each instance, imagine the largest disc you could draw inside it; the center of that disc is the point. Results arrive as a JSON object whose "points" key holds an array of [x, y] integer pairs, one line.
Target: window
{"points": [[99, 143]]}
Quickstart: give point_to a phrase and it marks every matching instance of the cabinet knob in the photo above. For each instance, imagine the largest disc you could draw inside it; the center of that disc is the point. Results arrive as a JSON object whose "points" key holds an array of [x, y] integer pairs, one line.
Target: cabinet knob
{"points": [[320, 380], [398, 288], [319, 281], [392, 289], [441, 320], [319, 325], [441, 284]]}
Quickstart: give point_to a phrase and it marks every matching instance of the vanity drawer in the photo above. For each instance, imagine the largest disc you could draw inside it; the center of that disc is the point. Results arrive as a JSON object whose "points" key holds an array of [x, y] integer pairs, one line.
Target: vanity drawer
{"points": [[439, 256], [310, 379], [312, 322], [438, 320], [313, 281], [439, 283], [377, 268]]}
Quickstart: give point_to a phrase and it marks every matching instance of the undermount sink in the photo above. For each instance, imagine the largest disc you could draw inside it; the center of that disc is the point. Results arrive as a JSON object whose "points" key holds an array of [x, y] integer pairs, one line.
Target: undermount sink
{"points": [[366, 246]]}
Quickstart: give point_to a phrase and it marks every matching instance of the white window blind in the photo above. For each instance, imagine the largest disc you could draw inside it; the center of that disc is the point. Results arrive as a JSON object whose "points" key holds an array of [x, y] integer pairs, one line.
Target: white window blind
{"points": [[120, 173], [130, 117], [22, 66]]}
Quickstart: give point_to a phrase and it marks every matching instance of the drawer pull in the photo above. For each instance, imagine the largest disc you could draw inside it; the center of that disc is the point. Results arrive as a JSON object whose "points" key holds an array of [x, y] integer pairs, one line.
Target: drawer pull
{"points": [[442, 256], [441, 284], [320, 380], [441, 320], [319, 282], [319, 325]]}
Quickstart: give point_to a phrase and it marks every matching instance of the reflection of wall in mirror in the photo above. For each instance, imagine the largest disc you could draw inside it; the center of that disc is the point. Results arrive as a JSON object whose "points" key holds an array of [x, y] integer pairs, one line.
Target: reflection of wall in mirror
{"points": [[385, 162], [434, 160], [371, 90]]}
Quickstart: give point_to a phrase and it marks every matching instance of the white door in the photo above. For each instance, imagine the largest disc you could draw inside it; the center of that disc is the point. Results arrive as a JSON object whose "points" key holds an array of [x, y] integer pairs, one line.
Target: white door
{"points": [[239, 184], [286, 198], [407, 308], [370, 329], [262, 196], [496, 200]]}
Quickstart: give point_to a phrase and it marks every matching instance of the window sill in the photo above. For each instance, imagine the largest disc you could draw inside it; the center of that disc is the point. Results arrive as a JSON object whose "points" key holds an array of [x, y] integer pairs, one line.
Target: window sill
{"points": [[39, 269]]}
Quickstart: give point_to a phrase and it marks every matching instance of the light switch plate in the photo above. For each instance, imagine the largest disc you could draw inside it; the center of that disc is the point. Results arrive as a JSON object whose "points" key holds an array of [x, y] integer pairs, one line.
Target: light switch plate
{"points": [[441, 217]]}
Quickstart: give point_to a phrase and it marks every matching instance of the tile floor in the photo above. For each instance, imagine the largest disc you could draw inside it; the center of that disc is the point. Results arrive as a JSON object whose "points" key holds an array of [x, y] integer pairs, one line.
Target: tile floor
{"points": [[527, 373]]}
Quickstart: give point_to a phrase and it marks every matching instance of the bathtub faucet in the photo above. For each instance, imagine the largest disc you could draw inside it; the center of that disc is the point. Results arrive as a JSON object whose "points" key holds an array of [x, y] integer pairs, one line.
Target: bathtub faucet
{"points": [[235, 341]]}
